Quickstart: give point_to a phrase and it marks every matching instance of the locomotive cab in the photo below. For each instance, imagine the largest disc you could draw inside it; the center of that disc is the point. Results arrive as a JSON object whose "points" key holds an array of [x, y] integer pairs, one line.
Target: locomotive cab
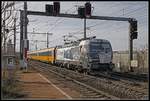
{"points": [[96, 54]]}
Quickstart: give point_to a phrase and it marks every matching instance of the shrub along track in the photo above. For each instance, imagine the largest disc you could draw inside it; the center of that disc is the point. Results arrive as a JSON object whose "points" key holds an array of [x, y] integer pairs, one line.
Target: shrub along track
{"points": [[122, 90]]}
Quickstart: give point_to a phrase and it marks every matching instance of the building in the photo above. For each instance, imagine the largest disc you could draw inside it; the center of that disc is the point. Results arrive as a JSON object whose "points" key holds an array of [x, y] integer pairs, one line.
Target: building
{"points": [[8, 57]]}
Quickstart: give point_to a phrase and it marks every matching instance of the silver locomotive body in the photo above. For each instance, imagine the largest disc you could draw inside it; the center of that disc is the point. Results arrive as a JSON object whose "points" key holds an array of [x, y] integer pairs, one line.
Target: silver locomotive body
{"points": [[94, 54]]}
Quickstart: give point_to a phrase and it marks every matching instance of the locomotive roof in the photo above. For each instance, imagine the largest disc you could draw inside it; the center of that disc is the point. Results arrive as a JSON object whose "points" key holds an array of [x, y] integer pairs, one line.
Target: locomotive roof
{"points": [[70, 45], [83, 42]]}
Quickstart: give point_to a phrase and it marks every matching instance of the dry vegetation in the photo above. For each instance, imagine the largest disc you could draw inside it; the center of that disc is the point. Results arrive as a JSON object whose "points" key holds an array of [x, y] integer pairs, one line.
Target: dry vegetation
{"points": [[10, 89]]}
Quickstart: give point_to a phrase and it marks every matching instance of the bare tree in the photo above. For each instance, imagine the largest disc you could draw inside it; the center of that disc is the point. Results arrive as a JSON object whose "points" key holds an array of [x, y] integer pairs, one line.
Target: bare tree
{"points": [[7, 8], [7, 20], [142, 57]]}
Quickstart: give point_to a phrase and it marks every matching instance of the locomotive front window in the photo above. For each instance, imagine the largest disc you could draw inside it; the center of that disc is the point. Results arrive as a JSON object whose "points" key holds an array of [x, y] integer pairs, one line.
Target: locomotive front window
{"points": [[101, 46]]}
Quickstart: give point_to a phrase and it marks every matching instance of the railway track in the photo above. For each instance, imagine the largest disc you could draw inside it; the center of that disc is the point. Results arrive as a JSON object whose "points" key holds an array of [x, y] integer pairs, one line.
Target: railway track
{"points": [[87, 92], [123, 76], [114, 87], [122, 79], [131, 77]]}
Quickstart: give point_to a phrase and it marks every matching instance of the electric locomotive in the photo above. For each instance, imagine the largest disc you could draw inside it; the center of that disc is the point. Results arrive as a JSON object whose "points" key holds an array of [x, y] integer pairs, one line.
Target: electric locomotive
{"points": [[87, 55]]}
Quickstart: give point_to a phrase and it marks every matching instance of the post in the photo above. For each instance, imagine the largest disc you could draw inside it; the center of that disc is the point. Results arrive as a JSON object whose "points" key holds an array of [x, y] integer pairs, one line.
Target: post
{"points": [[21, 35], [47, 40], [85, 28], [25, 34], [36, 44], [131, 54], [25, 27], [21, 38], [130, 50]]}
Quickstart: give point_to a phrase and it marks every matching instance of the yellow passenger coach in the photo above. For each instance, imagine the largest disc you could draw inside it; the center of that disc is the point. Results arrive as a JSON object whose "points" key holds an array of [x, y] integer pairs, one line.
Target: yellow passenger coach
{"points": [[44, 55]]}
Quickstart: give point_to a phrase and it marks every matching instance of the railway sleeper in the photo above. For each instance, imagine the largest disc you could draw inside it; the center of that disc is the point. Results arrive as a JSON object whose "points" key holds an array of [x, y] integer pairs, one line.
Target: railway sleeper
{"points": [[96, 97], [91, 94]]}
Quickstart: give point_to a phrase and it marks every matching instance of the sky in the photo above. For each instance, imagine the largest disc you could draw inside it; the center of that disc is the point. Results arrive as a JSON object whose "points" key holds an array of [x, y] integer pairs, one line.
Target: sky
{"points": [[116, 32]]}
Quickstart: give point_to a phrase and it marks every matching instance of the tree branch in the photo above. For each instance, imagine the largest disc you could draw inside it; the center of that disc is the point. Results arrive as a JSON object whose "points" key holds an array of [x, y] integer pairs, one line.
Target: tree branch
{"points": [[10, 13], [8, 19], [9, 22]]}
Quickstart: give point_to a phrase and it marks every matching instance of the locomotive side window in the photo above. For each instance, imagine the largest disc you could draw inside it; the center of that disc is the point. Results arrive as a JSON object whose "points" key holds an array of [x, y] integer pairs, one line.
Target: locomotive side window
{"points": [[43, 53], [60, 54], [65, 54], [70, 54], [33, 54], [50, 53], [75, 53]]}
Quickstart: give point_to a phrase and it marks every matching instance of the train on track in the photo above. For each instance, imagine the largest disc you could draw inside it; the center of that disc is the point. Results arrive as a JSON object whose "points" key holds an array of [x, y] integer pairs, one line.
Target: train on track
{"points": [[84, 56]]}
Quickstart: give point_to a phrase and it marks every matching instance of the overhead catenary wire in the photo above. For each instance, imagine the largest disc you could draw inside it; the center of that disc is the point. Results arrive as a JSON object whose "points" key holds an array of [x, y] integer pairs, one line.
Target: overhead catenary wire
{"points": [[109, 8], [105, 22], [140, 23], [59, 20], [57, 23], [122, 26], [118, 29]]}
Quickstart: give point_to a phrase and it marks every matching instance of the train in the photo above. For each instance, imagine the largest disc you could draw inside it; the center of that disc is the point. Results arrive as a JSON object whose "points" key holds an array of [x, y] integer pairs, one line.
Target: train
{"points": [[84, 56]]}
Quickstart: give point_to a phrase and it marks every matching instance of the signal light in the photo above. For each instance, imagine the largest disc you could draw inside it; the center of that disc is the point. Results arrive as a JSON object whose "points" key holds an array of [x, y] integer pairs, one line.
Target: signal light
{"points": [[81, 12], [133, 26], [133, 29], [56, 8], [134, 35], [49, 9], [88, 9]]}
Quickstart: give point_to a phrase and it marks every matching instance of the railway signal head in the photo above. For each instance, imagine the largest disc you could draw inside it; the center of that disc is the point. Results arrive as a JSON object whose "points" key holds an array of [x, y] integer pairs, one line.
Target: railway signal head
{"points": [[56, 8], [134, 35], [133, 29], [88, 9], [81, 12], [133, 26], [49, 9]]}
